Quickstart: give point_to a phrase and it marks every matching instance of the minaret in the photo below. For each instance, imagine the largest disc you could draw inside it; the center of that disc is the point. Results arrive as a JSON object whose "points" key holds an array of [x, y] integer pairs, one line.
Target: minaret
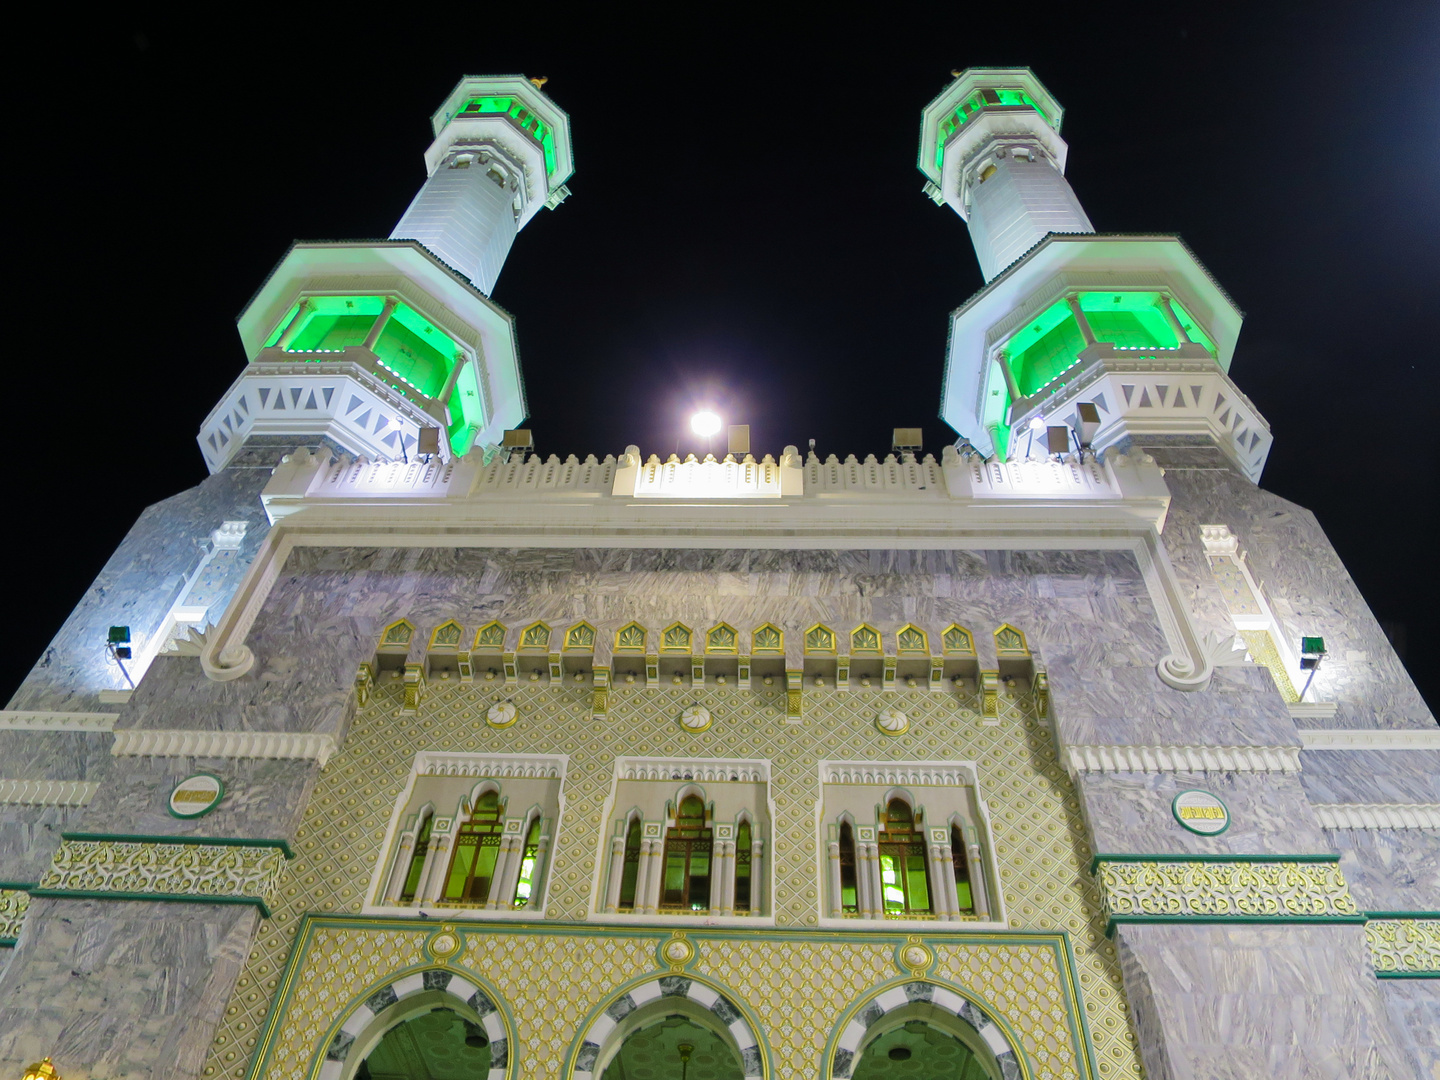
{"points": [[991, 146], [1112, 337], [391, 349], [501, 152]]}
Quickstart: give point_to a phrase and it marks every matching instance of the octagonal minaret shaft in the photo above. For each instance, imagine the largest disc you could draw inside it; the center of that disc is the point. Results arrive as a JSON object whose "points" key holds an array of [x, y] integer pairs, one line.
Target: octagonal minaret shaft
{"points": [[501, 152], [990, 145]]}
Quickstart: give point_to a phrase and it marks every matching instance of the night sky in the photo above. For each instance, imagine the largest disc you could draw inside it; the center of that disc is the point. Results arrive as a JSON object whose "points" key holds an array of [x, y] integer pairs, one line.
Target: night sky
{"points": [[746, 230]]}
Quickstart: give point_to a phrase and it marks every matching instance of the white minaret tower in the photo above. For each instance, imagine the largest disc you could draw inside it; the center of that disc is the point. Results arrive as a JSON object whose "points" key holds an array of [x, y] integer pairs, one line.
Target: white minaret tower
{"points": [[501, 152], [991, 146]]}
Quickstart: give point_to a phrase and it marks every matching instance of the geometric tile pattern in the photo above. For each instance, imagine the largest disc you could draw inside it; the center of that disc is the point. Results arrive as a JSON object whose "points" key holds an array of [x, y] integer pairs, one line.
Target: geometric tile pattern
{"points": [[1036, 826]]}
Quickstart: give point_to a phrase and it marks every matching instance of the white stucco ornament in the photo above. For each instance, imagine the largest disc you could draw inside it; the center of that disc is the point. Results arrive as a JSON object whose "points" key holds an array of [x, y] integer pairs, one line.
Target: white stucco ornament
{"points": [[892, 722], [695, 718], [678, 951], [500, 715]]}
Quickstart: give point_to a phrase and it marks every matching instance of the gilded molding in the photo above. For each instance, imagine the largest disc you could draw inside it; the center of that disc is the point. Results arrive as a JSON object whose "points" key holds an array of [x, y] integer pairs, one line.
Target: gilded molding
{"points": [[13, 905], [1378, 815], [165, 869], [904, 773], [499, 766], [20, 720], [1152, 889], [1404, 948], [47, 792], [1190, 759], [139, 742], [700, 770]]}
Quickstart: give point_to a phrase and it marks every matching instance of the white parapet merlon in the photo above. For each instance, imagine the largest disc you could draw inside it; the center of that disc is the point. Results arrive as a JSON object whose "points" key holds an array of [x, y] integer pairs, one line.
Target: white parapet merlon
{"points": [[47, 792], [282, 745], [1371, 739], [1181, 759], [19, 720], [1378, 815]]}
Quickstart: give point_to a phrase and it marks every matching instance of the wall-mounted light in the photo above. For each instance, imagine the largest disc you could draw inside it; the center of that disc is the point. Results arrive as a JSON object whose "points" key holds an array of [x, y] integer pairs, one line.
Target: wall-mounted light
{"points": [[1312, 651], [117, 644]]}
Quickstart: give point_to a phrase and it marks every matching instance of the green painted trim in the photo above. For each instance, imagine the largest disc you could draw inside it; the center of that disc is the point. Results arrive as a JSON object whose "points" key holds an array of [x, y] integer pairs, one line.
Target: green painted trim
{"points": [[219, 797], [8, 942], [1407, 974], [177, 898], [1175, 811], [18, 886], [1377, 914], [1073, 976], [1259, 920], [209, 841], [1098, 859]]}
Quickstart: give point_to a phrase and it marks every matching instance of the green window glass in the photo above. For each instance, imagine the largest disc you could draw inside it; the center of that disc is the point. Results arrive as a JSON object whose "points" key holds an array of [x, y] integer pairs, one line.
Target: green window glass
{"points": [[529, 863], [685, 885], [962, 870], [417, 860], [849, 896], [477, 845], [632, 865], [904, 878], [742, 867]]}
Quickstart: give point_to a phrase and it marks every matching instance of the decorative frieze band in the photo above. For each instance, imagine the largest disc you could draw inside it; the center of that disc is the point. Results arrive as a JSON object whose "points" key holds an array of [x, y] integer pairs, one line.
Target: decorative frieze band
{"points": [[213, 870], [906, 773], [1370, 739], [47, 792], [701, 770], [20, 720], [500, 766], [1378, 815], [1159, 759], [14, 902], [1404, 945], [140, 742], [1219, 888]]}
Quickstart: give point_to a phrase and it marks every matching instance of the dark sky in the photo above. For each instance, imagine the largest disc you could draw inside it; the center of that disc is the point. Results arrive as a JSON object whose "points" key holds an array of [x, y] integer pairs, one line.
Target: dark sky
{"points": [[747, 226]]}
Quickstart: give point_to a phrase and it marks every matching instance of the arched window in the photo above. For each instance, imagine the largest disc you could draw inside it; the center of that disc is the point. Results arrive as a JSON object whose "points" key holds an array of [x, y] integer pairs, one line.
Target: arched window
{"points": [[477, 845], [742, 867], [631, 871], [417, 860], [849, 891], [904, 882], [686, 884], [963, 900], [529, 865]]}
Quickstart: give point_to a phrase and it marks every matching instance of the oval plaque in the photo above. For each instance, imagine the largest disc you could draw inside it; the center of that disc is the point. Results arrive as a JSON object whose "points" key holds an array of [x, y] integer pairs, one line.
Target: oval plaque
{"points": [[1201, 812], [196, 795]]}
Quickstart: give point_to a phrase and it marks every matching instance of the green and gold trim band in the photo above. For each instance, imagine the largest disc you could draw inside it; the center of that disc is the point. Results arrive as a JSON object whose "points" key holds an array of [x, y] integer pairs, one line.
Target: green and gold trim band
{"points": [[1225, 888], [189, 869], [14, 902], [1404, 944]]}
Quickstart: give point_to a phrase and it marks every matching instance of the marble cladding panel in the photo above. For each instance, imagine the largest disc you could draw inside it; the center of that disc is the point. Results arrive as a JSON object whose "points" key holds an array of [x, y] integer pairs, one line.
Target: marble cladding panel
{"points": [[1390, 869], [1414, 1007], [133, 989], [1239, 1002], [1129, 813], [1307, 586], [1371, 776], [138, 585], [263, 799], [29, 836]]}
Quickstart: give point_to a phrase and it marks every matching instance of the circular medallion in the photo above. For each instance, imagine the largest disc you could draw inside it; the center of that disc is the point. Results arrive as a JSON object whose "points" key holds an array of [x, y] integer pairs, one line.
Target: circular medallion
{"points": [[677, 952], [501, 714], [915, 956], [695, 718], [196, 795], [445, 944], [1201, 812], [892, 722]]}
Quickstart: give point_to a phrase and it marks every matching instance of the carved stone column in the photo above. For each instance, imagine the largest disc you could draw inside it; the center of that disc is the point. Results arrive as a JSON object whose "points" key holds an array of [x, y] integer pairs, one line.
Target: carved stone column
{"points": [[396, 885], [617, 874], [837, 902], [978, 893]]}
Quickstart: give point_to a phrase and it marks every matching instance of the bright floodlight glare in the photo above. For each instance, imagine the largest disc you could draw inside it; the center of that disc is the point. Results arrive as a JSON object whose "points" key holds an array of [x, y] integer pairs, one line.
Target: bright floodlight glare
{"points": [[705, 424], [1037, 425]]}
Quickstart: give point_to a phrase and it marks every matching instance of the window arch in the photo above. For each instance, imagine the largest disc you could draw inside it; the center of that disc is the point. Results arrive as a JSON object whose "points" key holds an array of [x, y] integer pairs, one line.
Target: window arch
{"points": [[527, 881], [960, 866], [476, 851], [630, 871], [409, 867], [689, 847], [905, 885], [744, 840], [848, 881]]}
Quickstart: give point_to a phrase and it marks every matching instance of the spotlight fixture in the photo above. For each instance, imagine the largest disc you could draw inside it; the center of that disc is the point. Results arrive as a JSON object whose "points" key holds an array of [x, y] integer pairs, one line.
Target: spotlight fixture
{"points": [[705, 424], [1312, 651]]}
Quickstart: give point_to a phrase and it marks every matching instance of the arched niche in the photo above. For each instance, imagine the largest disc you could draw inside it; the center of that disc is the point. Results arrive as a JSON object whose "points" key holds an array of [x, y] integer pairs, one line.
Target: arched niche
{"points": [[403, 999], [651, 1002]]}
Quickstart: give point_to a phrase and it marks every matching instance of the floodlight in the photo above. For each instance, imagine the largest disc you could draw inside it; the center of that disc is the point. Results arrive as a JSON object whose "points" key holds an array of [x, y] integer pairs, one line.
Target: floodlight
{"points": [[1057, 439], [738, 439], [1037, 425], [1087, 423], [705, 424], [910, 439], [119, 635], [429, 441]]}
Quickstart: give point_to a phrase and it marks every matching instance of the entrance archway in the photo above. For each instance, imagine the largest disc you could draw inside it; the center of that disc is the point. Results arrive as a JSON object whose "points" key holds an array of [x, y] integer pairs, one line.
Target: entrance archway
{"points": [[923, 1028]]}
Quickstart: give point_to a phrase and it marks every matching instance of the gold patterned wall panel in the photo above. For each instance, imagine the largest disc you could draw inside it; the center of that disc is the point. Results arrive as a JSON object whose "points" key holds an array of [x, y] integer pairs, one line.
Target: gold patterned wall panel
{"points": [[1035, 818]]}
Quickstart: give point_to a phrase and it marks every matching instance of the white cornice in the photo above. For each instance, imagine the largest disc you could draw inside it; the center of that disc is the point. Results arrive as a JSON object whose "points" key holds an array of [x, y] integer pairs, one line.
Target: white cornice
{"points": [[47, 792], [1369, 739], [18, 720], [1379, 815], [1313, 710], [1164, 759], [500, 766], [703, 770], [907, 773], [136, 742]]}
